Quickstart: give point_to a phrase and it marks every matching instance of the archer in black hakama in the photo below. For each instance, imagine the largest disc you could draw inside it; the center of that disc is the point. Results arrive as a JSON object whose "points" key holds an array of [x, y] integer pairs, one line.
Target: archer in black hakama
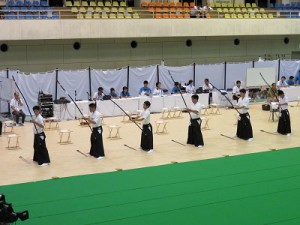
{"points": [[147, 137], [97, 149], [40, 154], [244, 128], [194, 133], [284, 123]]}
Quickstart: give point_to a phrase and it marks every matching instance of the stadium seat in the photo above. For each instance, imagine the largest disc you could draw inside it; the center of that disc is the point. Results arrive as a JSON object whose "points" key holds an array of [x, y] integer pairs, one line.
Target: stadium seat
{"points": [[44, 3], [128, 16], [238, 10], [151, 4], [180, 16], [151, 9], [244, 10], [144, 4], [136, 15], [158, 4], [186, 10], [252, 16], [224, 4], [242, 5], [254, 5], [219, 10], [100, 4], [246, 16], [19, 3], [233, 16], [265, 16], [158, 16], [74, 10], [107, 4], [93, 4], [129, 10], [218, 5], [236, 5], [165, 4], [173, 16], [258, 16], [84, 3], [227, 16], [21, 16], [178, 5], [158, 10], [212, 5], [82, 10], [165, 10], [123, 4], [88, 16], [90, 9], [32, 9], [229, 5], [166, 16], [172, 10], [27, 3], [249, 9], [114, 10], [11, 16], [207, 16], [121, 10], [187, 16], [270, 16], [112, 16], [192, 4], [104, 16], [96, 16], [22, 9], [76, 3], [69, 4], [225, 10], [11, 3], [256, 10], [106, 9], [115, 4], [29, 16], [261, 10], [80, 16], [120, 16], [98, 9], [248, 5], [240, 16], [231, 10]]}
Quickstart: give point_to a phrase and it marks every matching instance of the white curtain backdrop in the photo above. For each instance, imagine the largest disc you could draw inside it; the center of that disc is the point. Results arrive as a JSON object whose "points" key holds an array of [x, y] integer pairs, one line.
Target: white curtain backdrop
{"points": [[289, 68], [5, 91], [108, 79], [236, 71], [31, 84], [263, 64], [215, 74], [73, 80], [137, 76], [180, 74]]}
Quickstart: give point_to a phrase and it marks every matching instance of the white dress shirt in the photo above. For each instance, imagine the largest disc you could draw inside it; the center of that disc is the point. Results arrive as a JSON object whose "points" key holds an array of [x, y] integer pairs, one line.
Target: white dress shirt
{"points": [[196, 107], [36, 129], [236, 90], [97, 96], [146, 115], [282, 84], [190, 89], [282, 101], [207, 87], [96, 117], [243, 102], [158, 91], [16, 104]]}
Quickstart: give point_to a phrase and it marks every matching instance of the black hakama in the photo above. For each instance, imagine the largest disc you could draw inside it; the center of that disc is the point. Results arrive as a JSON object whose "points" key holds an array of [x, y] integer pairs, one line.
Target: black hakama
{"points": [[97, 149], [41, 154], [147, 137], [284, 123], [194, 133], [244, 128]]}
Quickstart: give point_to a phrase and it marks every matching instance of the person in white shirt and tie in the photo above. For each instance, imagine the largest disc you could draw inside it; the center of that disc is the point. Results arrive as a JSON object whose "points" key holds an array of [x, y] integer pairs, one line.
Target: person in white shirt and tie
{"points": [[16, 105], [284, 123]]}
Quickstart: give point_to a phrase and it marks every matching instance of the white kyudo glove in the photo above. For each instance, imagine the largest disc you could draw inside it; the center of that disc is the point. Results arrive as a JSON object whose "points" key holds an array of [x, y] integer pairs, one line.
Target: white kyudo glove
{"points": [[42, 137], [198, 122], [279, 114], [99, 131], [149, 128], [248, 117], [239, 118]]}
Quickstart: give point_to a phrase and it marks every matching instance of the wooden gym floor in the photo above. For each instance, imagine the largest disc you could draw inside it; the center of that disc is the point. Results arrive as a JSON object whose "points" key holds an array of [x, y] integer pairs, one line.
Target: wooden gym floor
{"points": [[67, 161]]}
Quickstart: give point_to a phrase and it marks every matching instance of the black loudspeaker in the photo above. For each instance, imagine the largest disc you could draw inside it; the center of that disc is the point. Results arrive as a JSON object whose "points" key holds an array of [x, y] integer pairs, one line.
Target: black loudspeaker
{"points": [[4, 48], [133, 44], [236, 41], [286, 40], [76, 45], [189, 42]]}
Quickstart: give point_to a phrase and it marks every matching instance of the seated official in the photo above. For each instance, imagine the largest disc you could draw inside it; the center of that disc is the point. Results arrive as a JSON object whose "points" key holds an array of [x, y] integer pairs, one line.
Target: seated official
{"points": [[145, 90], [158, 91], [99, 94], [282, 82], [272, 93], [236, 91], [176, 89], [297, 78], [190, 88], [16, 105], [125, 93], [207, 88], [290, 81], [113, 93]]}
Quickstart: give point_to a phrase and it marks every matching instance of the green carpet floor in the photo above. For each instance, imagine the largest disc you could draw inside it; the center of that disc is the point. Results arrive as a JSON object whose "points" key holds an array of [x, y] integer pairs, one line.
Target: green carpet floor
{"points": [[253, 189]]}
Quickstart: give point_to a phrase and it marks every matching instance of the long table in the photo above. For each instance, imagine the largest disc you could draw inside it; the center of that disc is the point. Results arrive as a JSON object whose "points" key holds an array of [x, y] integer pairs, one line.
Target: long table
{"points": [[108, 108]]}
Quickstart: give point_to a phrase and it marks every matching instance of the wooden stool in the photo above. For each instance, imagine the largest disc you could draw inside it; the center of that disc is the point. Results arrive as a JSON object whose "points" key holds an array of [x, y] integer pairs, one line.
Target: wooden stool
{"points": [[8, 124], [51, 120], [163, 124], [165, 111], [61, 134], [126, 116], [205, 122], [9, 138], [215, 109], [177, 110], [205, 108], [111, 128]]}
